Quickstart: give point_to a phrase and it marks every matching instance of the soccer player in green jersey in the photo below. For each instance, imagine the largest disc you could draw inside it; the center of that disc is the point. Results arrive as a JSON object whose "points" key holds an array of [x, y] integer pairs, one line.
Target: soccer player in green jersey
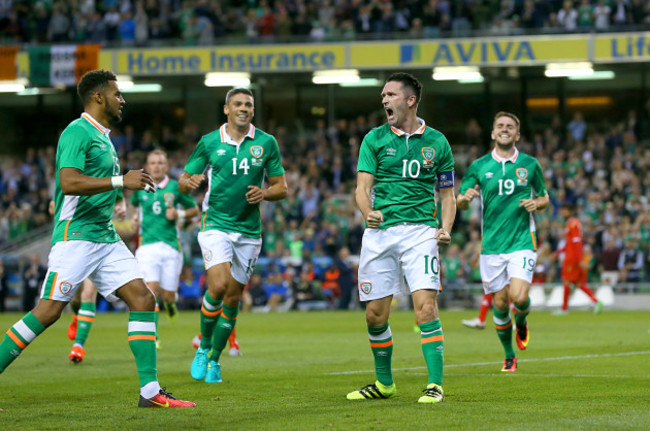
{"points": [[402, 162], [85, 243], [511, 188], [237, 156], [159, 251]]}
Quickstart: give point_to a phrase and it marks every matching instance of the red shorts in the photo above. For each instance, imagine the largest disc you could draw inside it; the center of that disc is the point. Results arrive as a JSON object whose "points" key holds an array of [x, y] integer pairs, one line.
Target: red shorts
{"points": [[573, 273]]}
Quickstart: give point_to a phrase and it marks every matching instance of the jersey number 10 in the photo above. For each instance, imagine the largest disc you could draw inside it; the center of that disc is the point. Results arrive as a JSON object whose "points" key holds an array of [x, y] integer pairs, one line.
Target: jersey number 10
{"points": [[413, 168]]}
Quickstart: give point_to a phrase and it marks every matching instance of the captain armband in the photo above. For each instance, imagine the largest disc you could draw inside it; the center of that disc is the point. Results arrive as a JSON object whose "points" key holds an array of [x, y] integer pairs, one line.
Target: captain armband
{"points": [[446, 179]]}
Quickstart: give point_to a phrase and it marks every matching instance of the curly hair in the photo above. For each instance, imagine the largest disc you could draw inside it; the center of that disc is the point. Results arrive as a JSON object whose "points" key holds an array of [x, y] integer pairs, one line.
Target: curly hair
{"points": [[93, 81]]}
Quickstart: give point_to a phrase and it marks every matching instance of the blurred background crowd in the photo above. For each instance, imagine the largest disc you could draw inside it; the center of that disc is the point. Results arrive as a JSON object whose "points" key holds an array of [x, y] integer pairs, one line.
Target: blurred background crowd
{"points": [[201, 22], [312, 238]]}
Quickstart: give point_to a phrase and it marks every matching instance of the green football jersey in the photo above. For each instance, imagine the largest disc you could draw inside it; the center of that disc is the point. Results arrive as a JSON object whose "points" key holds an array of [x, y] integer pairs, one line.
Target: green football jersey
{"points": [[406, 169], [154, 225], [85, 145], [231, 168], [505, 226]]}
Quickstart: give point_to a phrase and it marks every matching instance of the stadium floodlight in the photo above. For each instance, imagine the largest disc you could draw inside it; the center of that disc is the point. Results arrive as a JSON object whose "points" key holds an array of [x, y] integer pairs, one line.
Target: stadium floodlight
{"points": [[337, 76], [38, 91], [363, 82], [563, 70], [13, 86], [598, 74], [124, 82], [227, 79], [478, 80], [456, 73], [143, 88]]}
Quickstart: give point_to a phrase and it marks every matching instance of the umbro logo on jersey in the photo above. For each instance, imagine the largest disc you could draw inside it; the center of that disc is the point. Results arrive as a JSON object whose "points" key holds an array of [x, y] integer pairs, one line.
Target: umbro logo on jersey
{"points": [[221, 152], [391, 151], [488, 175]]}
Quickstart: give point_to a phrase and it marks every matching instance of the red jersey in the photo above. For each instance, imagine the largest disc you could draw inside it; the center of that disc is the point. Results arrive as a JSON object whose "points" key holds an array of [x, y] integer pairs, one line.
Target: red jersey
{"points": [[573, 247]]}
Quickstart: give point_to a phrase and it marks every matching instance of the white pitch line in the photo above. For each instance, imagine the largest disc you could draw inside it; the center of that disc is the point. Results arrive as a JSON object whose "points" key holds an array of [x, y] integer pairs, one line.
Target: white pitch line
{"points": [[476, 364], [599, 376]]}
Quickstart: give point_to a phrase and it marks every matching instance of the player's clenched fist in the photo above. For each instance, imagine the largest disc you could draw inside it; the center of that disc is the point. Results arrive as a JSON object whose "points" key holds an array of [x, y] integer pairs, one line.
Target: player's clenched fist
{"points": [[195, 181], [139, 180], [374, 219]]}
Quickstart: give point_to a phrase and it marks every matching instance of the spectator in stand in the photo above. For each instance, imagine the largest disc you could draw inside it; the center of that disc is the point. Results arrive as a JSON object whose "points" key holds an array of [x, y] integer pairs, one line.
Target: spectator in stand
{"points": [[602, 14], [4, 286], [567, 17], [630, 262], [33, 276]]}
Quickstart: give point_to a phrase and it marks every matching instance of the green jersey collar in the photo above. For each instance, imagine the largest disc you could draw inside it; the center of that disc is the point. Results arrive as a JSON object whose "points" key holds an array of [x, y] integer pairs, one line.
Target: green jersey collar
{"points": [[419, 131], [103, 130], [226, 139], [512, 159]]}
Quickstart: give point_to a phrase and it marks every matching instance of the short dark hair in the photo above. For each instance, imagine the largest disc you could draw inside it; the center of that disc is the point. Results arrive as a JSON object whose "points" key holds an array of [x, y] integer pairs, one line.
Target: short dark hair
{"points": [[408, 81], [93, 81], [509, 115], [238, 90]]}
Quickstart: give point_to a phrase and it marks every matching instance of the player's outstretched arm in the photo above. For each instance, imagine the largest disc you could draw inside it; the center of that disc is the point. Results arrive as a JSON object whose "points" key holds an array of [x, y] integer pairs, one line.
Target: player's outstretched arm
{"points": [[74, 183], [188, 183]]}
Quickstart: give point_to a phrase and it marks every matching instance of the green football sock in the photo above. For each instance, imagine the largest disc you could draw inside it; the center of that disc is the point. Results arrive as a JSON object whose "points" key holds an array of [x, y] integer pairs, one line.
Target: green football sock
{"points": [[503, 325], [142, 340], [85, 319], [224, 328], [18, 338], [433, 349], [210, 311], [521, 311], [381, 344]]}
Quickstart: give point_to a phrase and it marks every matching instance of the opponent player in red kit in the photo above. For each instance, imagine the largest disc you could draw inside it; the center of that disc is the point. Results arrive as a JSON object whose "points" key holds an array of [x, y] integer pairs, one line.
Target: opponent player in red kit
{"points": [[573, 270]]}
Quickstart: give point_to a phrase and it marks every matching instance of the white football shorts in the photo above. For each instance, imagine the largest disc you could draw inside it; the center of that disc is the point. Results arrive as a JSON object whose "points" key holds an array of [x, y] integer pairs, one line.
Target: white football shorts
{"points": [[108, 265], [161, 263], [498, 269], [241, 251], [402, 255]]}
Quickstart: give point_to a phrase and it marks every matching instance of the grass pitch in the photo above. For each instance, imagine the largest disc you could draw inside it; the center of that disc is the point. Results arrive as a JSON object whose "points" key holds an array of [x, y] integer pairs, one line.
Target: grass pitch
{"points": [[579, 372]]}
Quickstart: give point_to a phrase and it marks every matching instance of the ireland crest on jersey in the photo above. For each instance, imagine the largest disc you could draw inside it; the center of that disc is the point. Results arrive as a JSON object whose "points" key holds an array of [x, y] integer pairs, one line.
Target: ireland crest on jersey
{"points": [[429, 154], [522, 176], [257, 151]]}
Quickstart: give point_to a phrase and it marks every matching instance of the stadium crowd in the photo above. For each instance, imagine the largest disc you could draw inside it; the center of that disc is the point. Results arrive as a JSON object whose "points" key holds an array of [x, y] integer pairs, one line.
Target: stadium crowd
{"points": [[193, 22], [309, 236]]}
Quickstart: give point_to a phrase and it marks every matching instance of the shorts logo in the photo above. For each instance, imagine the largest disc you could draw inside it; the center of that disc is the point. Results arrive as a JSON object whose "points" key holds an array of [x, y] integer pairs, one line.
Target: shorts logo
{"points": [[486, 286], [208, 256], [522, 174], [366, 287], [257, 151], [65, 287]]}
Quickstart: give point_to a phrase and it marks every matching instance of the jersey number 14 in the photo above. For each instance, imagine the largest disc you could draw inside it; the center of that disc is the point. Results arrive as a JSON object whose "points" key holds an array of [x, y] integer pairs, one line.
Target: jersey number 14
{"points": [[243, 166]]}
